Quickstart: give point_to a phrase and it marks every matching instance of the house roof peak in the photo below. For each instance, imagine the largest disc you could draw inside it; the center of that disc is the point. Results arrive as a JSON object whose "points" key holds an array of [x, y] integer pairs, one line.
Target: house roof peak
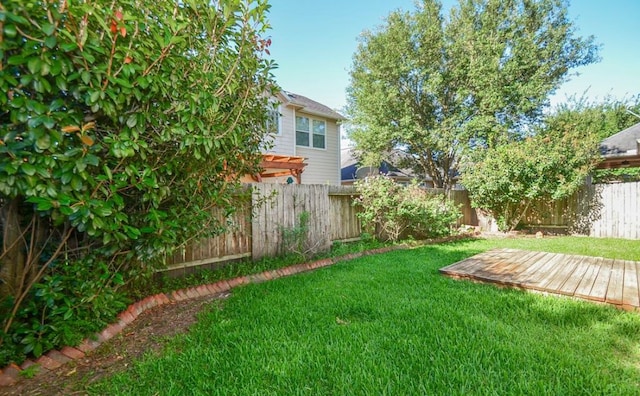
{"points": [[311, 106]]}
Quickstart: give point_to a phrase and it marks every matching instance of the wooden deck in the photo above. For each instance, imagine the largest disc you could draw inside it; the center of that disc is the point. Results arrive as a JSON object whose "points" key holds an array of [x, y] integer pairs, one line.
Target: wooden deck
{"points": [[609, 281]]}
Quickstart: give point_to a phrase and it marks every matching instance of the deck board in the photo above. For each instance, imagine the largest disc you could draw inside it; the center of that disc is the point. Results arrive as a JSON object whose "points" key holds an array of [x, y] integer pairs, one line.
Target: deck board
{"points": [[612, 281], [616, 283], [630, 294], [585, 284], [571, 284], [599, 290]]}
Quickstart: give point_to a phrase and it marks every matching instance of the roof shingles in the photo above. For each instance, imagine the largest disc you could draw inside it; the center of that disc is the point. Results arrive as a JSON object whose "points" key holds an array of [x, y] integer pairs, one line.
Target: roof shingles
{"points": [[312, 106]]}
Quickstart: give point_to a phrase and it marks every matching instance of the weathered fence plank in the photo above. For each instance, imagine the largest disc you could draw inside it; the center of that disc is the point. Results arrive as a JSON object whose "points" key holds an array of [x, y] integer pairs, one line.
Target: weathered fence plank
{"points": [[232, 245], [343, 215], [282, 209]]}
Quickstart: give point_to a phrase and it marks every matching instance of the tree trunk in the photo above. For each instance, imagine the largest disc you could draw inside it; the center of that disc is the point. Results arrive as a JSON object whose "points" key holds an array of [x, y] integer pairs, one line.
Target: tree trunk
{"points": [[13, 262]]}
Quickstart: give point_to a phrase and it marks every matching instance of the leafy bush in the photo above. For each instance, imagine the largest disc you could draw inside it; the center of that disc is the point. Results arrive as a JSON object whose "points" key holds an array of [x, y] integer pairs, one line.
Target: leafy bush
{"points": [[73, 300], [507, 180], [123, 123], [391, 211]]}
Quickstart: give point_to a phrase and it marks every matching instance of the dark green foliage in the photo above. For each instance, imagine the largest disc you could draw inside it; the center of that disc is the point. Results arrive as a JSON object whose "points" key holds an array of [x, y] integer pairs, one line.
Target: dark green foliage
{"points": [[432, 86], [70, 302], [507, 180], [392, 211], [123, 123]]}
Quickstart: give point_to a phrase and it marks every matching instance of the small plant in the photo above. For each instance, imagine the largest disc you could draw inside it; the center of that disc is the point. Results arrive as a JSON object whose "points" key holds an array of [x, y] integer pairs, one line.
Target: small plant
{"points": [[30, 371], [295, 240], [76, 299]]}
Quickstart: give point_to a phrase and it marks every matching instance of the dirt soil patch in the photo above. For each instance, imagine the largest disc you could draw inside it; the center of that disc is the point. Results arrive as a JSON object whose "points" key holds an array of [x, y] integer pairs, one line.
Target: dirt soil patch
{"points": [[147, 334]]}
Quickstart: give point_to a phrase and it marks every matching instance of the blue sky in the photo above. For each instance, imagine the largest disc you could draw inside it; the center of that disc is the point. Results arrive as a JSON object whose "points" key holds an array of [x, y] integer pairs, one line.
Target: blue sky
{"points": [[314, 40]]}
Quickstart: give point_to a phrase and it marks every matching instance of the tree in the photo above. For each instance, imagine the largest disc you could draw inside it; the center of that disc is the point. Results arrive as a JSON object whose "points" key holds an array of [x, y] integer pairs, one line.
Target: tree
{"points": [[509, 179], [602, 119], [433, 87], [123, 124]]}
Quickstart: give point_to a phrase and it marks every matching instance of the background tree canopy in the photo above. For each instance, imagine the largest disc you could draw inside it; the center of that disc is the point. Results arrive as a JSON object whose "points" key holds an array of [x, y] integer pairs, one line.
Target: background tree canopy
{"points": [[122, 124], [434, 86]]}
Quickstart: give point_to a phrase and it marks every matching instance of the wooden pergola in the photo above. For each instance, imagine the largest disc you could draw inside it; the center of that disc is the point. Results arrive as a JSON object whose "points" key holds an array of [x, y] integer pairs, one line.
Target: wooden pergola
{"points": [[275, 165]]}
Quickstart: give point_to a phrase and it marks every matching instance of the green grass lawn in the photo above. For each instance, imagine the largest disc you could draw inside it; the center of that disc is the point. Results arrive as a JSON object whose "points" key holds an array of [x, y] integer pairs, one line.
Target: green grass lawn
{"points": [[391, 324]]}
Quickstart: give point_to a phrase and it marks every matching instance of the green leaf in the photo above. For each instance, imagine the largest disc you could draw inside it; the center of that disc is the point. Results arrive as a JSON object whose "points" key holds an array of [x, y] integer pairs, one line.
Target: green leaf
{"points": [[10, 31], [34, 65], [66, 177], [44, 142], [16, 60], [61, 83], [76, 183], [95, 95], [28, 169], [48, 28], [132, 121], [107, 172], [44, 69], [20, 20], [80, 165], [85, 76], [91, 159], [68, 47], [37, 350], [50, 42], [52, 192]]}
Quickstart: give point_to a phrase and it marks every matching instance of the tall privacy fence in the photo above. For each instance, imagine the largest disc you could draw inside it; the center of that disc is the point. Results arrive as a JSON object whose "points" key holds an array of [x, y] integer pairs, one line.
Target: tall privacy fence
{"points": [[258, 228], [599, 210]]}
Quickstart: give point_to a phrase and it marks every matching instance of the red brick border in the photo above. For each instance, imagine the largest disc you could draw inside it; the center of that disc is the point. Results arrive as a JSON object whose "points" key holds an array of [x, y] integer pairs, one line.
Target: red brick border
{"points": [[54, 359]]}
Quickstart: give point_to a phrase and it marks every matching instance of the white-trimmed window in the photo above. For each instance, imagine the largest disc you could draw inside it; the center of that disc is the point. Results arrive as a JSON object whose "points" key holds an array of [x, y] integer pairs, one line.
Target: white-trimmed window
{"points": [[273, 121], [311, 132]]}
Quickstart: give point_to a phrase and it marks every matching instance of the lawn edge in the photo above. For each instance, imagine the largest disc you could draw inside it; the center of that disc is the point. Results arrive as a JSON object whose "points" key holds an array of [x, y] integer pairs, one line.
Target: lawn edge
{"points": [[56, 358]]}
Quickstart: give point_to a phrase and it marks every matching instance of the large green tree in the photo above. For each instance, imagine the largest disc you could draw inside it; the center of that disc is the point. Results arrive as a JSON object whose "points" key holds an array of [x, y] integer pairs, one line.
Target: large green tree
{"points": [[122, 124], [433, 86]]}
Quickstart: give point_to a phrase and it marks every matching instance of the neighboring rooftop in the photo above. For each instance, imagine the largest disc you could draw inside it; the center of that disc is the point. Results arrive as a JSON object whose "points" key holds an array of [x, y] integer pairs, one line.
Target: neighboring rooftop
{"points": [[624, 142], [351, 170]]}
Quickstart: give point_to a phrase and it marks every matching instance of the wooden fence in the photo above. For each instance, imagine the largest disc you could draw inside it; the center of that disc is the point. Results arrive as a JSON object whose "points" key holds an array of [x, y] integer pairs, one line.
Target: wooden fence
{"points": [[599, 210], [262, 225], [258, 228], [211, 252], [278, 208]]}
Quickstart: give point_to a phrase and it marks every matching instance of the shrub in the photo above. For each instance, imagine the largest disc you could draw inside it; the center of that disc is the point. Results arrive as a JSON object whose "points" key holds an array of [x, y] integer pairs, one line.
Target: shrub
{"points": [[508, 180], [391, 211], [295, 239], [73, 300], [123, 123]]}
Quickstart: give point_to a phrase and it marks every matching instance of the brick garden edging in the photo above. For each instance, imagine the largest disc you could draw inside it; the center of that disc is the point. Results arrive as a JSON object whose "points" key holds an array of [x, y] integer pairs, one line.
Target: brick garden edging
{"points": [[54, 359]]}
